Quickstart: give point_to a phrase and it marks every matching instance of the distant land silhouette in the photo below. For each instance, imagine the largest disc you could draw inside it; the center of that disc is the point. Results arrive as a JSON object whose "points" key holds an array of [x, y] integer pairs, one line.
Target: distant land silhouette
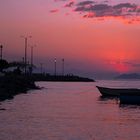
{"points": [[128, 76], [60, 78]]}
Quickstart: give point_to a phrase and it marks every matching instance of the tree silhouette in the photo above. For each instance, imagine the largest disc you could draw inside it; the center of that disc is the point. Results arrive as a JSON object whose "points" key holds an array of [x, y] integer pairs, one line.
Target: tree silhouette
{"points": [[3, 65], [20, 65], [17, 64]]}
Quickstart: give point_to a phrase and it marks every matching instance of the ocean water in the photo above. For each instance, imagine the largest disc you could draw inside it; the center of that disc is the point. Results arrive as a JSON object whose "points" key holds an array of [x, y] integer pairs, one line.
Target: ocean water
{"points": [[69, 111]]}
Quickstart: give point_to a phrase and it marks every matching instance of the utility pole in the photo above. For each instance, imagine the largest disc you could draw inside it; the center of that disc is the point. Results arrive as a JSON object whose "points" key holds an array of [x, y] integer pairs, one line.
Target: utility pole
{"points": [[63, 66], [41, 68], [32, 53], [23, 66], [25, 53], [1, 47], [55, 66], [23, 60]]}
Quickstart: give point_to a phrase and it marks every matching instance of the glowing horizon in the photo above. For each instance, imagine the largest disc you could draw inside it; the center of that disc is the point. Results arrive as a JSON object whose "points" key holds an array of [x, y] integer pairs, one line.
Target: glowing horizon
{"points": [[95, 38]]}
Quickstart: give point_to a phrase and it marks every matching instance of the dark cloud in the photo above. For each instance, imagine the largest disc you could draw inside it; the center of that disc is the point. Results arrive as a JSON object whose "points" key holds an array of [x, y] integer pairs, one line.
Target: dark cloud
{"points": [[94, 9], [100, 7], [102, 10], [60, 0], [83, 3], [82, 9], [98, 10], [125, 5], [84, 6], [70, 4]]}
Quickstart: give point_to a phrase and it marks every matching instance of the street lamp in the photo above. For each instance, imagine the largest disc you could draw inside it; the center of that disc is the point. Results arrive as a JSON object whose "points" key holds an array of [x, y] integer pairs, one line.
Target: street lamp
{"points": [[32, 53], [63, 66], [1, 47], [26, 45], [41, 68], [55, 66]]}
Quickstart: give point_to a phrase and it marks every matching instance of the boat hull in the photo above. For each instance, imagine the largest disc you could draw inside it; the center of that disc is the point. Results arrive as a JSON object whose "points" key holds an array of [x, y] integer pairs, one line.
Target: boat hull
{"points": [[127, 98], [117, 92]]}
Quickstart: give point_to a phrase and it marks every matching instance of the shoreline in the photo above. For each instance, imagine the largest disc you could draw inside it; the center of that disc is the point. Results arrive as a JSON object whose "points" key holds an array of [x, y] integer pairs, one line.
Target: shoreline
{"points": [[13, 85], [60, 78]]}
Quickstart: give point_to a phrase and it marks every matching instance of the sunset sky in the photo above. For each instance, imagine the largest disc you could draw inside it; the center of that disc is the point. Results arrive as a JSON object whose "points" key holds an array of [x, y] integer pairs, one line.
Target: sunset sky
{"points": [[98, 38]]}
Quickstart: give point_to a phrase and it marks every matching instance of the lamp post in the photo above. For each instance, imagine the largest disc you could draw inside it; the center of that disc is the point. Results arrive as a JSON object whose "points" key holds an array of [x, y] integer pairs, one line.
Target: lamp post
{"points": [[32, 53], [26, 45], [63, 66], [55, 66], [1, 47], [41, 68]]}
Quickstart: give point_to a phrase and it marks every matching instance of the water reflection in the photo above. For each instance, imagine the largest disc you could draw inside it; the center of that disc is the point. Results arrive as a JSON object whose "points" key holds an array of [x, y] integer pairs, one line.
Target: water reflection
{"points": [[68, 111], [104, 98], [1, 109], [129, 106], [108, 100]]}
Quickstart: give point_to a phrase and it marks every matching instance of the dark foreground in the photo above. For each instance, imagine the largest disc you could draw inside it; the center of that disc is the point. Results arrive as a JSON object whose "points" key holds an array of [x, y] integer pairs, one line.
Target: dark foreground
{"points": [[13, 85]]}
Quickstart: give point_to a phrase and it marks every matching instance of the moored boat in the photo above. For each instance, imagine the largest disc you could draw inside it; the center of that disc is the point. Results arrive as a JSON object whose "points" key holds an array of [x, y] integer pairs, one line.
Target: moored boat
{"points": [[130, 98], [117, 91]]}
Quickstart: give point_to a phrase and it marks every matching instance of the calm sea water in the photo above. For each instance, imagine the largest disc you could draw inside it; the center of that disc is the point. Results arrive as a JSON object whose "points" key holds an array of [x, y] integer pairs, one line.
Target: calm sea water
{"points": [[69, 111]]}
